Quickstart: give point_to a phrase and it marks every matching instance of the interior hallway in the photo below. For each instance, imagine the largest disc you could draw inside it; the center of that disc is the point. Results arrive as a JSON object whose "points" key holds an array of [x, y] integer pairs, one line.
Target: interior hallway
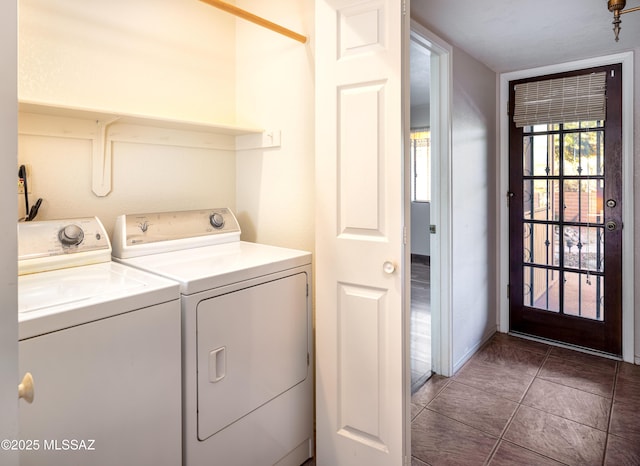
{"points": [[519, 402]]}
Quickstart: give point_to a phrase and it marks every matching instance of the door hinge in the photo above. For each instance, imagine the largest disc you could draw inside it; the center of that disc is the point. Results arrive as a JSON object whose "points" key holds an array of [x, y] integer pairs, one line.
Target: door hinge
{"points": [[432, 229], [307, 289], [308, 360], [404, 7], [510, 194], [508, 291], [404, 235]]}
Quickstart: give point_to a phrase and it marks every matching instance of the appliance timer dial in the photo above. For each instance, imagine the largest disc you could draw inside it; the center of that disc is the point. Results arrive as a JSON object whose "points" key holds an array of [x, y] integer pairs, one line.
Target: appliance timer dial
{"points": [[216, 220], [71, 235]]}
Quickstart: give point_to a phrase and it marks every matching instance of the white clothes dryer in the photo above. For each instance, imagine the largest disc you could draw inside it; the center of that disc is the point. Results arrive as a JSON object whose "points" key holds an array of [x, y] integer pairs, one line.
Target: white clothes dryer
{"points": [[102, 342], [247, 337]]}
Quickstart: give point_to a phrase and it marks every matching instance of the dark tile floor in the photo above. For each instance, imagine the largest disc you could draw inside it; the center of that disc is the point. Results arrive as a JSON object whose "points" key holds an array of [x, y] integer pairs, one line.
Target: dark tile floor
{"points": [[519, 402]]}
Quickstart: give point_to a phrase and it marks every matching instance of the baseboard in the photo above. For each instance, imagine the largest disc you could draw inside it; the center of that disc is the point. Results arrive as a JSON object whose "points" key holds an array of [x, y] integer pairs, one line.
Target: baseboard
{"points": [[474, 349]]}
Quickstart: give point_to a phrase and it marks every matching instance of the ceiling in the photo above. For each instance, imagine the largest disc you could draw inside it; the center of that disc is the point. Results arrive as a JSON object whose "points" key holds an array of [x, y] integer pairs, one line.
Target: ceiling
{"points": [[517, 35]]}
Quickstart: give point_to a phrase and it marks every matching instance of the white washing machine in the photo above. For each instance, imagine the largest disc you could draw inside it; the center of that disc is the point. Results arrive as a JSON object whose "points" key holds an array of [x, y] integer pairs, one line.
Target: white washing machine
{"points": [[102, 342], [247, 338]]}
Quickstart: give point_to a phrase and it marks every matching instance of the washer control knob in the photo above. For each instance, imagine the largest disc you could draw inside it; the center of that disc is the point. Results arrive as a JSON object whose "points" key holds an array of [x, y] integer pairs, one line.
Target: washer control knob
{"points": [[71, 235], [216, 220]]}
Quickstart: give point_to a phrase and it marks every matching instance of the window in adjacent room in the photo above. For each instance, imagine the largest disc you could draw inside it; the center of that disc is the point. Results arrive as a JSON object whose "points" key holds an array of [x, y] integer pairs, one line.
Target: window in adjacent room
{"points": [[421, 165]]}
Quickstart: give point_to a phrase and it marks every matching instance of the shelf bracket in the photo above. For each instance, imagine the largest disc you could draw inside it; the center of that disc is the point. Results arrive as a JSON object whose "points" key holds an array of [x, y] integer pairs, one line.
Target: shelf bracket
{"points": [[266, 140], [101, 158]]}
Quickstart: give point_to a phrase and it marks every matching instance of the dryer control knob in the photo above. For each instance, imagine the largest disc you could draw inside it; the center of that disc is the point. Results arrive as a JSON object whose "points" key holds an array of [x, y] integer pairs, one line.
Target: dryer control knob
{"points": [[71, 235], [216, 220]]}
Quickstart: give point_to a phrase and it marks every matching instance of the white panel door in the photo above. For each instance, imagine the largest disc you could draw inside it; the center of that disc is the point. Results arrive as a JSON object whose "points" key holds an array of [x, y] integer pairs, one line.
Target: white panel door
{"points": [[360, 413]]}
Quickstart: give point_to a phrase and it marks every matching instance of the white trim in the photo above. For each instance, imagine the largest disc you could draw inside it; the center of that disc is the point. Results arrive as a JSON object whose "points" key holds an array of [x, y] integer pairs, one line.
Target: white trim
{"points": [[441, 338], [628, 309], [473, 350], [9, 363]]}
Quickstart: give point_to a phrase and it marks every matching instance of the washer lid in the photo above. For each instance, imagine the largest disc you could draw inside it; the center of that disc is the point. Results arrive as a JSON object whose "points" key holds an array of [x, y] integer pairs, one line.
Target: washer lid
{"points": [[57, 299], [209, 267]]}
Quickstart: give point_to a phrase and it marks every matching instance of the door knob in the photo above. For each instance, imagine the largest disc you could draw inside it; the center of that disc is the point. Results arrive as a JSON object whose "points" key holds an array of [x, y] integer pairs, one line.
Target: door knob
{"points": [[388, 267], [25, 388]]}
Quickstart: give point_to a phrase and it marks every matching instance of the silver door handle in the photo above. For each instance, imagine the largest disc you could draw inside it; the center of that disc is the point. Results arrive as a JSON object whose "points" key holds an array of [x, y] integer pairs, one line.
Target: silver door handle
{"points": [[611, 226]]}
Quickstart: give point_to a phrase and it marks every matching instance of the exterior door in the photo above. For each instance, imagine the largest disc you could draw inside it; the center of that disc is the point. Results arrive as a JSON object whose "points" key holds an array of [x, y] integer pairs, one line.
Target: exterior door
{"points": [[360, 390], [565, 224]]}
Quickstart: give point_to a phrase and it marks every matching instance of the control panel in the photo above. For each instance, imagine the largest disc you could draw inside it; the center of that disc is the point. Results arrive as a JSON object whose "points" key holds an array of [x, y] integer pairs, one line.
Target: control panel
{"points": [[51, 244], [141, 234]]}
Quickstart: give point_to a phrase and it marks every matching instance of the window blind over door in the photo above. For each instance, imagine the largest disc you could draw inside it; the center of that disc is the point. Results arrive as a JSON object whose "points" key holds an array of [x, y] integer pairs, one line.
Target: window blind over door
{"points": [[560, 100]]}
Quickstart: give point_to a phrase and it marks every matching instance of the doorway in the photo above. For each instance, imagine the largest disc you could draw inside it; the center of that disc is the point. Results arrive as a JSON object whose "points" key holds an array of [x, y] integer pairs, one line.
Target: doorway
{"points": [[429, 60], [420, 172], [566, 209]]}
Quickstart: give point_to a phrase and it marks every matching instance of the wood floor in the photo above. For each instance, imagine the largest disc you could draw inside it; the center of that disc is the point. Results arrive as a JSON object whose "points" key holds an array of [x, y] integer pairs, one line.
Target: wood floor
{"points": [[420, 323], [518, 402]]}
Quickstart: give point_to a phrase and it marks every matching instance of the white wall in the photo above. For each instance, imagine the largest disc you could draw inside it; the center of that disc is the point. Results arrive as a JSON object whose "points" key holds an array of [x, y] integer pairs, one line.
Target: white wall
{"points": [[146, 178], [420, 235], [474, 225], [420, 116], [172, 59], [8, 284], [275, 85]]}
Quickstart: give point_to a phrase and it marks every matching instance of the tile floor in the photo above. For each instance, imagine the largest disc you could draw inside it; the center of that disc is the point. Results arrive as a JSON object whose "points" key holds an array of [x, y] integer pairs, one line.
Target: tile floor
{"points": [[519, 402]]}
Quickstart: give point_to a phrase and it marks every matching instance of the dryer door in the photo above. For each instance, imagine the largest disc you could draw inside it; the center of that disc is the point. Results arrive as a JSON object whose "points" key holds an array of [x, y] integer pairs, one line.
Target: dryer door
{"points": [[252, 346]]}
